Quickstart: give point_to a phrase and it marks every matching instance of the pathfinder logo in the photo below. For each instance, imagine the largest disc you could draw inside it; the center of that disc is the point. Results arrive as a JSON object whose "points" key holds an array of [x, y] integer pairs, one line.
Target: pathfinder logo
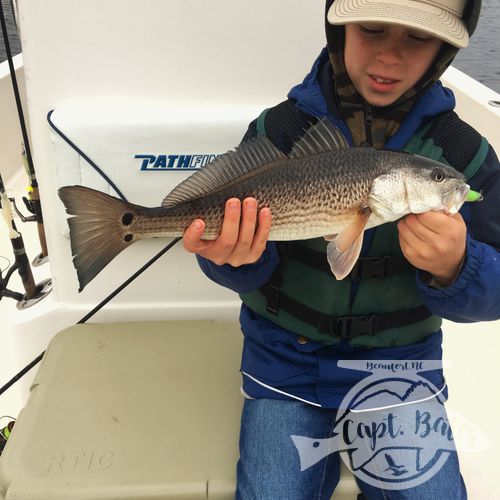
{"points": [[183, 162]]}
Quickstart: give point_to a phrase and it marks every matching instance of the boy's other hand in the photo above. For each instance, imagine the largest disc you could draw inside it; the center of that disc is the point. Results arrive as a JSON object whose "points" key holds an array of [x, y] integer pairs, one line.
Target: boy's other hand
{"points": [[434, 242], [243, 236]]}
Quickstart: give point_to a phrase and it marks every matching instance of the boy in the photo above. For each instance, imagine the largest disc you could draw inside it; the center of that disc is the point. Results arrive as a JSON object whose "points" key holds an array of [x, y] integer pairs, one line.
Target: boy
{"points": [[378, 81]]}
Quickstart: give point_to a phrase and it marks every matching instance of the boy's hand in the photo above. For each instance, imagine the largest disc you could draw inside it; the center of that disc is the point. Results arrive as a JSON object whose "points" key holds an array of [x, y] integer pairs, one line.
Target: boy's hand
{"points": [[434, 242], [243, 236]]}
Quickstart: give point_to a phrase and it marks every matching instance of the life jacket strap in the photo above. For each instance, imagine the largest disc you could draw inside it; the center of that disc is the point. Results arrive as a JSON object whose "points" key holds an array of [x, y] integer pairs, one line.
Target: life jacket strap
{"points": [[342, 327], [380, 267], [365, 267]]}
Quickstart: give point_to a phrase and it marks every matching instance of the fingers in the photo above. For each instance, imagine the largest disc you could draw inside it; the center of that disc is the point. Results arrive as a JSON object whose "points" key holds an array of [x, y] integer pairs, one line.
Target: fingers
{"points": [[192, 237], [246, 229], [220, 249], [418, 241], [415, 230], [433, 242], [239, 241], [252, 238], [262, 233], [430, 226], [411, 232], [230, 226], [434, 222]]}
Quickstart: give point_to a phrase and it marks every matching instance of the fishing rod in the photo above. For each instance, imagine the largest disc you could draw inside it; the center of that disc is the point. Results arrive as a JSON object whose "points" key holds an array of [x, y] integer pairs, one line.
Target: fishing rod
{"points": [[33, 204], [89, 315], [21, 263], [34, 292]]}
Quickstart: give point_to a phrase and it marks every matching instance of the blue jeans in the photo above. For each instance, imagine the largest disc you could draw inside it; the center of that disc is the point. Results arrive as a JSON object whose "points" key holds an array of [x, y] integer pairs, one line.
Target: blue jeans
{"points": [[270, 467]]}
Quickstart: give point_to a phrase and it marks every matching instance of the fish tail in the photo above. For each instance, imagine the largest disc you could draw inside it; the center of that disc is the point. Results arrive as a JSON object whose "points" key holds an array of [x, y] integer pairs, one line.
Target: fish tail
{"points": [[101, 228]]}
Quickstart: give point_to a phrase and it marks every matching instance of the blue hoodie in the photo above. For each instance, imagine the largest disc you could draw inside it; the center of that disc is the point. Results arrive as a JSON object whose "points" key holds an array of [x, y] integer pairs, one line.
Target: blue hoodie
{"points": [[278, 364]]}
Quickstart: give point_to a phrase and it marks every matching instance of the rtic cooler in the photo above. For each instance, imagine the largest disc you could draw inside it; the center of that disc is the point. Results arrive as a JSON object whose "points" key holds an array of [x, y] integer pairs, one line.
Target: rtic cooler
{"points": [[134, 411], [130, 411]]}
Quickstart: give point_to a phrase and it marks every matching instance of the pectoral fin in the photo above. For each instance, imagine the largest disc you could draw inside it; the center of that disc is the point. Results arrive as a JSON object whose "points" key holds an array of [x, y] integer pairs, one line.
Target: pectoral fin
{"points": [[341, 263], [330, 237], [343, 251]]}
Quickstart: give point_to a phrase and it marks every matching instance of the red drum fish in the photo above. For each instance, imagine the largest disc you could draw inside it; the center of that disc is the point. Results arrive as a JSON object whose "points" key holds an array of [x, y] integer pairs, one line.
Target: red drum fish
{"points": [[322, 188]]}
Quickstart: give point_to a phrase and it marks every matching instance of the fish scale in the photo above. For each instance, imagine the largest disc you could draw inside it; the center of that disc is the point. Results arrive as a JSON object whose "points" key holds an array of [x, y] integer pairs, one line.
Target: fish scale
{"points": [[300, 191]]}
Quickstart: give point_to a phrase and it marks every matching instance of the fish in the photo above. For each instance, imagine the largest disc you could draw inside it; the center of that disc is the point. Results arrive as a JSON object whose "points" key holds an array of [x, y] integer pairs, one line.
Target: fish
{"points": [[322, 188]]}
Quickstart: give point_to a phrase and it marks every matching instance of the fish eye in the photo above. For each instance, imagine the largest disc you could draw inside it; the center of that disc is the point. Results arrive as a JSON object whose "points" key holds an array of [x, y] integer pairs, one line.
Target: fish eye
{"points": [[437, 175]]}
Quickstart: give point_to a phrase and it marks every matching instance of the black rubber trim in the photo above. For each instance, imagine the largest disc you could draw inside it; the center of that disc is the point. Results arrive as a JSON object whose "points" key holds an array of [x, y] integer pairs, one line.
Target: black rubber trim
{"points": [[84, 156]]}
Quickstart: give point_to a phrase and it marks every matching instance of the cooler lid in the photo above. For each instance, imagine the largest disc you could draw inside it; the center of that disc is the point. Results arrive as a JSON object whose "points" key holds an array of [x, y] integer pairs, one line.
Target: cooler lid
{"points": [[132, 410]]}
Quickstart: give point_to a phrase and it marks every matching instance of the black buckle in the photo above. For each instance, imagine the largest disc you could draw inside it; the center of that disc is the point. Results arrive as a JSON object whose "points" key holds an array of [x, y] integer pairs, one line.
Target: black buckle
{"points": [[369, 267], [348, 327]]}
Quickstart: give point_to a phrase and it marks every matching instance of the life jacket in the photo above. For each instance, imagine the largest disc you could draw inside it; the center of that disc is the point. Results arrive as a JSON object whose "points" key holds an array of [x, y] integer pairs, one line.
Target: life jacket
{"points": [[384, 308]]}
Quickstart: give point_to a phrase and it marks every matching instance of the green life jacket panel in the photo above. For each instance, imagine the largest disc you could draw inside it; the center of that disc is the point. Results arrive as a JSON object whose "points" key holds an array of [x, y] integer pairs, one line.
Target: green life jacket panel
{"points": [[391, 302]]}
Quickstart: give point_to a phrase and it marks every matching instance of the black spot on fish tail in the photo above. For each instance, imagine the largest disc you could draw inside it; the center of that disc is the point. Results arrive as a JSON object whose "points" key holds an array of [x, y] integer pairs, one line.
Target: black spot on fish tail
{"points": [[99, 229], [127, 219]]}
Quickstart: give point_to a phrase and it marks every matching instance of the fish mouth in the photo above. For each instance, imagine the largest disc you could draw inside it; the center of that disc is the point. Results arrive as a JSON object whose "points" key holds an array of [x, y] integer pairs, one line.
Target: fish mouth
{"points": [[456, 198]]}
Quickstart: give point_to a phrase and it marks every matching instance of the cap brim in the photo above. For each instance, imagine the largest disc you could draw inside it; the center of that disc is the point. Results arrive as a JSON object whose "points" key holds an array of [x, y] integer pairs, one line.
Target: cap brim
{"points": [[423, 17]]}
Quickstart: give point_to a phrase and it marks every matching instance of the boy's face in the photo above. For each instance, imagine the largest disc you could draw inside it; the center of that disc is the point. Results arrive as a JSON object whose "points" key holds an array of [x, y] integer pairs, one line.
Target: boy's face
{"points": [[384, 61]]}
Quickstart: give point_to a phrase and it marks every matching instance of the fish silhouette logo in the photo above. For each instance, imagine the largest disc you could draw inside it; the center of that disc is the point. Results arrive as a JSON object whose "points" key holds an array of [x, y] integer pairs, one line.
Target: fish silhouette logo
{"points": [[391, 428]]}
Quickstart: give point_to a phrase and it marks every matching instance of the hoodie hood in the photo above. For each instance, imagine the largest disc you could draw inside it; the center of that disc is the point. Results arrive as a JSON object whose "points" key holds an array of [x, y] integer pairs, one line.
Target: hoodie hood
{"points": [[373, 125]]}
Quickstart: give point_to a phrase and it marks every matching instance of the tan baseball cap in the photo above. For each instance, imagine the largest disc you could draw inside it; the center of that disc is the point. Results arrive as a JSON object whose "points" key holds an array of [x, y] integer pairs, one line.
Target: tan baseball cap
{"points": [[439, 18]]}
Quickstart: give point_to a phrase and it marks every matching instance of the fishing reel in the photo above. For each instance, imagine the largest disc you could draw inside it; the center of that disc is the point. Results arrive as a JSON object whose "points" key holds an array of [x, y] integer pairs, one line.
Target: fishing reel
{"points": [[33, 208], [29, 206], [34, 291]]}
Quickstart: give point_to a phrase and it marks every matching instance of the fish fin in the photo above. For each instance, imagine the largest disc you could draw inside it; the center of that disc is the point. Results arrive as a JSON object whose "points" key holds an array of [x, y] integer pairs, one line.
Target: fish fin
{"points": [[322, 137], [228, 167], [97, 230], [341, 263], [344, 250], [350, 233]]}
